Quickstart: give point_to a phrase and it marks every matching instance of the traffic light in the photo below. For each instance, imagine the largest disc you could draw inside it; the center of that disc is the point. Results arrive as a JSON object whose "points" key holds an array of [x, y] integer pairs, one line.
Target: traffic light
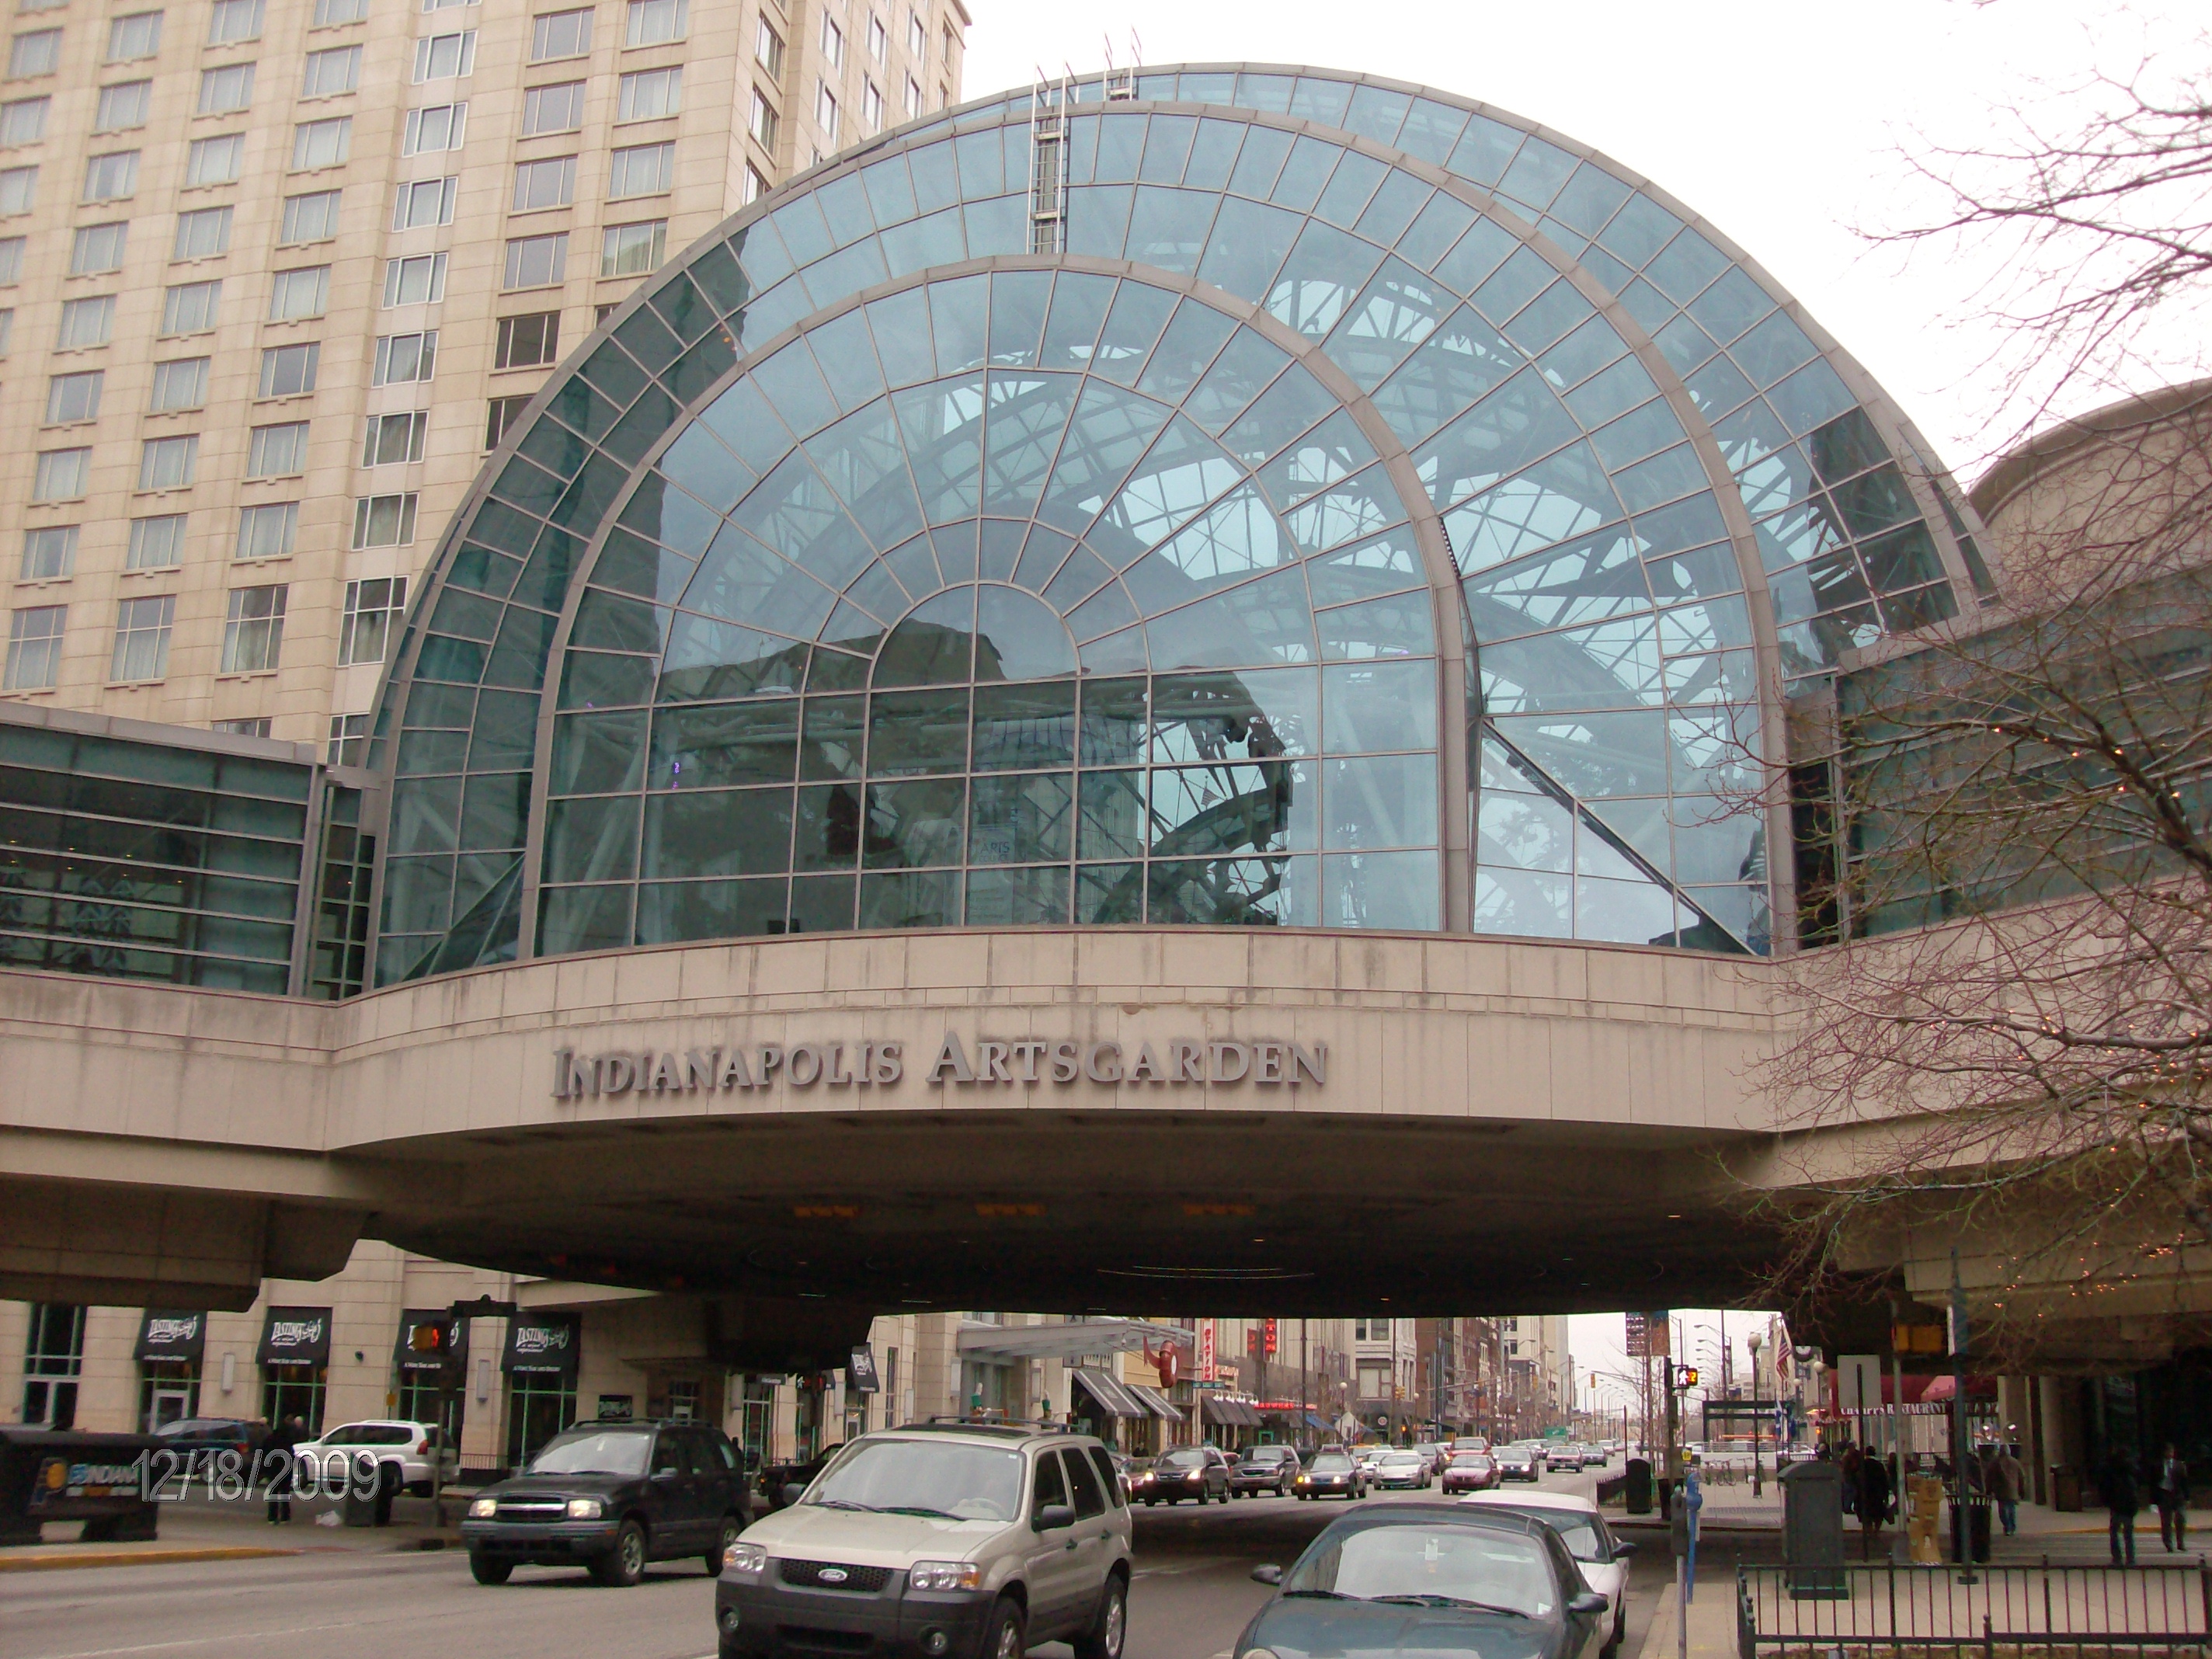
{"points": [[1688, 1378]]}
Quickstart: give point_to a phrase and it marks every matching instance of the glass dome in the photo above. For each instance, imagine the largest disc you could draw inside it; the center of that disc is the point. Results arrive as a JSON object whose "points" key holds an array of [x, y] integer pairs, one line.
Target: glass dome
{"points": [[1334, 505]]}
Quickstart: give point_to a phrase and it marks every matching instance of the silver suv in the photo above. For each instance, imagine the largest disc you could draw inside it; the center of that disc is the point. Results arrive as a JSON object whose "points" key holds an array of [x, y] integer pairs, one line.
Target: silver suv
{"points": [[963, 1540]]}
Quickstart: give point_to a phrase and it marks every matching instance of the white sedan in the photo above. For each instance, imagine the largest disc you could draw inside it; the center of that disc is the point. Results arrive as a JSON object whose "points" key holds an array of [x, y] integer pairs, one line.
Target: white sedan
{"points": [[1603, 1558]]}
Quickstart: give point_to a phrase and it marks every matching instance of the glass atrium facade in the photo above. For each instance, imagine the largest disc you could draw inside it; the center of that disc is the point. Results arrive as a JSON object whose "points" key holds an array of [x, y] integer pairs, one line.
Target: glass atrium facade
{"points": [[1269, 499]]}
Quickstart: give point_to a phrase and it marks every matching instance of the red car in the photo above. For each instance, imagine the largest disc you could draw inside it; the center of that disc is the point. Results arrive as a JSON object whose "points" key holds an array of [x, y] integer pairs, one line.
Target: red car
{"points": [[1470, 1471]]}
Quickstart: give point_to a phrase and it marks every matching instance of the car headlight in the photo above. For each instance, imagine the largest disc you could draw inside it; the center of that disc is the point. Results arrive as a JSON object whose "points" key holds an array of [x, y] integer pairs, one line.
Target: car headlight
{"points": [[585, 1509], [483, 1508], [945, 1576], [744, 1558]]}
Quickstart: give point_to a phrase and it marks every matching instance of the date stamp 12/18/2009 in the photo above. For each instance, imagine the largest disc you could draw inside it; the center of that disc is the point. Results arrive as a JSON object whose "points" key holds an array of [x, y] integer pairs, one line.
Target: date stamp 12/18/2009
{"points": [[274, 1473]]}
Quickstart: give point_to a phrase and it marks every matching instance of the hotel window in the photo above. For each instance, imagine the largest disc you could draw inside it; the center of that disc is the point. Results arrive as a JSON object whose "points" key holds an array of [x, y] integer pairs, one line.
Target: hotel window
{"points": [[443, 57], [423, 201], [553, 109], [405, 359], [330, 14], [944, 49], [879, 38], [34, 652], [277, 451], [234, 21], [253, 631], [330, 72], [768, 51], [40, 52], [23, 121], [123, 107], [632, 250], [181, 383], [370, 625], [142, 637], [445, 5], [190, 307], [254, 725], [312, 217], [112, 177], [267, 532], [86, 322], [156, 543], [871, 105], [203, 234], [227, 90], [503, 413], [19, 188], [528, 342], [415, 281], [647, 95], [755, 186], [437, 128], [321, 143], [61, 475], [913, 96], [169, 462], [11, 261], [215, 160], [349, 744], [641, 170], [763, 121], [550, 183], [71, 397], [295, 294], [537, 261], [392, 440], [833, 42], [561, 35], [917, 37], [384, 520], [7, 327], [651, 23], [825, 109], [287, 371], [49, 552]]}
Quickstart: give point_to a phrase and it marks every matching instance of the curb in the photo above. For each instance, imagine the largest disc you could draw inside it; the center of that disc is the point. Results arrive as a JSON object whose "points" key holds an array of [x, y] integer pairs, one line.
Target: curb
{"points": [[134, 1558]]}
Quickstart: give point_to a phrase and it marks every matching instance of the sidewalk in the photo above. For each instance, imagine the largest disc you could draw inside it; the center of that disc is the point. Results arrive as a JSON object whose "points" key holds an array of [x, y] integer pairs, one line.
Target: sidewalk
{"points": [[198, 1529]]}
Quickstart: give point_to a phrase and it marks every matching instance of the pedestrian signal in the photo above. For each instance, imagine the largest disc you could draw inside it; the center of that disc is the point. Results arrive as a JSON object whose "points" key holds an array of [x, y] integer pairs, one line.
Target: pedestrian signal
{"points": [[1689, 1377]]}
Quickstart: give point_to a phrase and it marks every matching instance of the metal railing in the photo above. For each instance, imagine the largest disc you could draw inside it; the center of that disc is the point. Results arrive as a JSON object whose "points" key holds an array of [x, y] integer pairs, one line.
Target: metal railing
{"points": [[1876, 1609]]}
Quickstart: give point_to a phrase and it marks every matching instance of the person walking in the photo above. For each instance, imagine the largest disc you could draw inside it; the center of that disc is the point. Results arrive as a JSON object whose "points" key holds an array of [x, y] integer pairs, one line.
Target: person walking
{"points": [[2008, 1480], [1873, 1491], [2171, 1492], [286, 1439], [2121, 1500]]}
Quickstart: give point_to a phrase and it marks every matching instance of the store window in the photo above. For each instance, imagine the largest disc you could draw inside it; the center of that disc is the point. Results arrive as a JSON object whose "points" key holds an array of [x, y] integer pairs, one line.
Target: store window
{"points": [[540, 1362], [294, 1357], [169, 1351], [53, 1360]]}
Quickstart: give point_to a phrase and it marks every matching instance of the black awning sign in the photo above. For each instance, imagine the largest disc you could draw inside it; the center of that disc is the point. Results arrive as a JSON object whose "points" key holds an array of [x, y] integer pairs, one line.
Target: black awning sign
{"points": [[297, 1336], [864, 1371], [543, 1343], [164, 1335]]}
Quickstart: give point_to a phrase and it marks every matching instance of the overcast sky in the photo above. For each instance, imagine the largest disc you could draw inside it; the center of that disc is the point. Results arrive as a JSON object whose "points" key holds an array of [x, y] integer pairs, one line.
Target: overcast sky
{"points": [[1781, 123]]}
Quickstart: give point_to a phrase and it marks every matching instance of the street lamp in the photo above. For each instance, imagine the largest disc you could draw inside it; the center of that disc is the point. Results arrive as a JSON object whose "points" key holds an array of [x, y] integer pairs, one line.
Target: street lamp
{"points": [[1751, 1341]]}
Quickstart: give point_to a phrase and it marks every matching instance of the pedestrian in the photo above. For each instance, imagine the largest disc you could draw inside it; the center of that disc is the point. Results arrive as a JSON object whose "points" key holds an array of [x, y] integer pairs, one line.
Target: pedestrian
{"points": [[2120, 1499], [2172, 1494], [286, 1438], [1850, 1484], [1874, 1492], [2008, 1479]]}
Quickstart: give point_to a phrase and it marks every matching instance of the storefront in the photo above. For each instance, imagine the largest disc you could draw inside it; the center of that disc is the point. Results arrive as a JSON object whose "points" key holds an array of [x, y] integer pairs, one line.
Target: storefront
{"points": [[544, 1351], [294, 1357], [1099, 1405], [169, 1350]]}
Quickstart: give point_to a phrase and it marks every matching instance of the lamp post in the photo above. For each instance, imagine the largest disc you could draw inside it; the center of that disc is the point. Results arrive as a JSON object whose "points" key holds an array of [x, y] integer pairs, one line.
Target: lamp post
{"points": [[1751, 1341]]}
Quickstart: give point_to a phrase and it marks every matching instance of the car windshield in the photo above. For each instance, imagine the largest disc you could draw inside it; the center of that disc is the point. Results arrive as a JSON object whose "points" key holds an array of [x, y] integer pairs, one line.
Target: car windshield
{"points": [[1423, 1562], [1188, 1458], [370, 1434], [1331, 1463], [603, 1451], [924, 1477]]}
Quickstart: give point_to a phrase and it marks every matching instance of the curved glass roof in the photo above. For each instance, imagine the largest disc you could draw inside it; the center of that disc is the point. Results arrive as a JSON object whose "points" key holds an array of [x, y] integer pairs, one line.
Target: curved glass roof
{"points": [[906, 556]]}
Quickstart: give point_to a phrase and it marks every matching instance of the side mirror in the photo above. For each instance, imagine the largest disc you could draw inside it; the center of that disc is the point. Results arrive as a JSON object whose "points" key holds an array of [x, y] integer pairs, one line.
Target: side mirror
{"points": [[1588, 1604], [1623, 1547], [793, 1491], [1268, 1575], [1053, 1516]]}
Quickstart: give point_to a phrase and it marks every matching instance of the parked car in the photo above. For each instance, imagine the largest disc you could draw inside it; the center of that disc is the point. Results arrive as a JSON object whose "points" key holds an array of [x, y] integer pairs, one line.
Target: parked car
{"points": [[1518, 1463], [1199, 1472], [402, 1447], [1264, 1468], [969, 1541], [1333, 1474], [1403, 1471], [611, 1496], [1125, 1469], [192, 1435], [774, 1480], [1470, 1471], [1429, 1578], [1602, 1557]]}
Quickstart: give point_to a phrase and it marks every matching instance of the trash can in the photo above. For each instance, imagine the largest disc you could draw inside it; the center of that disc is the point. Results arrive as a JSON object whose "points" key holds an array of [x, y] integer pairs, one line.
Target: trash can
{"points": [[1813, 1532], [2065, 1489], [1637, 1489], [1970, 1530]]}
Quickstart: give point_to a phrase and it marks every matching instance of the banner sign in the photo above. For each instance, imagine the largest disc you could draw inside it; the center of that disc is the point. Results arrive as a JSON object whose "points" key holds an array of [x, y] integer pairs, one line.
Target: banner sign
{"points": [[163, 1335], [295, 1336]]}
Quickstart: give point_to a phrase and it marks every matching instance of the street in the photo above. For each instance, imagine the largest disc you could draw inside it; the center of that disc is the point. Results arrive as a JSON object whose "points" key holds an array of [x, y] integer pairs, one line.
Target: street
{"points": [[1191, 1594]]}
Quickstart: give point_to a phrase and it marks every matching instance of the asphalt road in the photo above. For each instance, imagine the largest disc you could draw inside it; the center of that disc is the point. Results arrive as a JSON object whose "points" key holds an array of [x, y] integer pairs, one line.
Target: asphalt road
{"points": [[1191, 1594]]}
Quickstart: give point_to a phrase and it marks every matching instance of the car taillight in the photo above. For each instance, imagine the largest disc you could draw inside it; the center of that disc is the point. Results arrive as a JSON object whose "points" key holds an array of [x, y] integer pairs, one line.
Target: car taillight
{"points": [[422, 1445]]}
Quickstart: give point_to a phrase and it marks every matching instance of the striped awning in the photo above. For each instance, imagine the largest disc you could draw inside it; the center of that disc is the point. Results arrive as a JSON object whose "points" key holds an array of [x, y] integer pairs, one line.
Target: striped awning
{"points": [[1228, 1413], [1114, 1398], [1158, 1403]]}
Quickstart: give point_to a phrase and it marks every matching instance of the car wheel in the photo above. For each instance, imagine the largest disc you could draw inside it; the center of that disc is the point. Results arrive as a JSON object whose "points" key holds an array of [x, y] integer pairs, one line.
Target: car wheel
{"points": [[1003, 1636], [623, 1565], [1110, 1629], [723, 1540], [486, 1570]]}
